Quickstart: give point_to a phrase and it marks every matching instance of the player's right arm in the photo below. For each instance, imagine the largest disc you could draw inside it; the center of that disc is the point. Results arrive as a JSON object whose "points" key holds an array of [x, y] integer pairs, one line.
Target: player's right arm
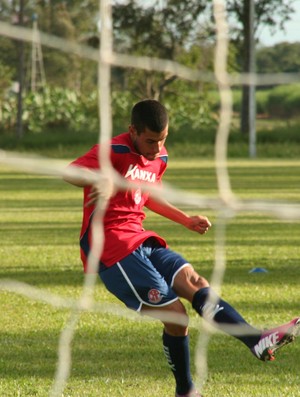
{"points": [[84, 171], [79, 176], [196, 223], [101, 186]]}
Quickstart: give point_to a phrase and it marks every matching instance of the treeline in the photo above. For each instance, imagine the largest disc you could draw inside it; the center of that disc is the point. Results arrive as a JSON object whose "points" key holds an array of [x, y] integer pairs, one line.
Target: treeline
{"points": [[280, 58], [170, 30]]}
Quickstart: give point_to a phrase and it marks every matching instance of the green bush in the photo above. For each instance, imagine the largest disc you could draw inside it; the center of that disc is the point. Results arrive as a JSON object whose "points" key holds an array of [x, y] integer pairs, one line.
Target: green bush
{"points": [[58, 108], [280, 101], [284, 101], [53, 108], [262, 97], [5, 79], [62, 109], [8, 113], [190, 110], [214, 100], [122, 103], [288, 134]]}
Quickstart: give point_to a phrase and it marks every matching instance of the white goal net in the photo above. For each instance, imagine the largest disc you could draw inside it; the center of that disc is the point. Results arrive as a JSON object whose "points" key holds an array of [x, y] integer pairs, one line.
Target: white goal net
{"points": [[226, 203]]}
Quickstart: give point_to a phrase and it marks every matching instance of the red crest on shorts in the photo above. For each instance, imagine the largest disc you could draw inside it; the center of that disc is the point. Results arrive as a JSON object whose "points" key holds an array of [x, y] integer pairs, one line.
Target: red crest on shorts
{"points": [[154, 296]]}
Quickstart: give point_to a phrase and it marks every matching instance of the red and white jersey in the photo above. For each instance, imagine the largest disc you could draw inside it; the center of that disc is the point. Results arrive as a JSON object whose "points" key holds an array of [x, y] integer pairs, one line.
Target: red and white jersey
{"points": [[123, 220]]}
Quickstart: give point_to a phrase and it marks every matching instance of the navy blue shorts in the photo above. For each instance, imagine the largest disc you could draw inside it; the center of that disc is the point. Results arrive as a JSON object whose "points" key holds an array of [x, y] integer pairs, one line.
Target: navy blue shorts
{"points": [[145, 277]]}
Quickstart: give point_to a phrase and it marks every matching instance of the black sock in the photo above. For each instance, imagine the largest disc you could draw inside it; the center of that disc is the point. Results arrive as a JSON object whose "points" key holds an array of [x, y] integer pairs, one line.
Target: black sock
{"points": [[224, 314], [177, 352]]}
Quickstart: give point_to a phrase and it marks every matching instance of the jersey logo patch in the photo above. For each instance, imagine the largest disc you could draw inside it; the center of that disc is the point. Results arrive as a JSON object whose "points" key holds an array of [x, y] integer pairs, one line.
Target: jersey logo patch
{"points": [[137, 196], [134, 173], [154, 296]]}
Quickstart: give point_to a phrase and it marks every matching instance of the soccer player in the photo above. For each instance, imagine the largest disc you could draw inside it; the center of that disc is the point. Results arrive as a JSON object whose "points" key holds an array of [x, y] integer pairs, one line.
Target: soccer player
{"points": [[137, 266]]}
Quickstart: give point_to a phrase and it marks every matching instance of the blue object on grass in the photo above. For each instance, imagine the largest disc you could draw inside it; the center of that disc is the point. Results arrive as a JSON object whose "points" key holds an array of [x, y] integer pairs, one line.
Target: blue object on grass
{"points": [[258, 270]]}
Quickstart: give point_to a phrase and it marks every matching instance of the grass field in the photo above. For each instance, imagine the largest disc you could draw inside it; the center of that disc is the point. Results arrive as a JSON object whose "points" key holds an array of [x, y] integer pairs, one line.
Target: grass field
{"points": [[113, 356]]}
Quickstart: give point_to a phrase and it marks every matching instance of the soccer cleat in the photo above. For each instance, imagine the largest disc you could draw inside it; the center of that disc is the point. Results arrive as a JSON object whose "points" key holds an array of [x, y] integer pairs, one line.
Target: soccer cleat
{"points": [[192, 393], [273, 339]]}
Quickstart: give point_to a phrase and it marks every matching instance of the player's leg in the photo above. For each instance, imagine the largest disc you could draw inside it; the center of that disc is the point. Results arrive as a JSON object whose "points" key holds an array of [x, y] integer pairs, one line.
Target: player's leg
{"points": [[136, 282], [176, 347], [263, 345], [188, 284], [196, 289]]}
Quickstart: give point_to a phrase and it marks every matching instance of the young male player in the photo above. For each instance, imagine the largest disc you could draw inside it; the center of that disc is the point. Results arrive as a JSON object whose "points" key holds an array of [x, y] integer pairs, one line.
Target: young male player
{"points": [[137, 266]]}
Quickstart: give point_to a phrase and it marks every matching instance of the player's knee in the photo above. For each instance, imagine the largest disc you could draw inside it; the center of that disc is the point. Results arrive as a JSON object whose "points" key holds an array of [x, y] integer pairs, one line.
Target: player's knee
{"points": [[200, 282], [176, 319], [190, 278], [175, 329]]}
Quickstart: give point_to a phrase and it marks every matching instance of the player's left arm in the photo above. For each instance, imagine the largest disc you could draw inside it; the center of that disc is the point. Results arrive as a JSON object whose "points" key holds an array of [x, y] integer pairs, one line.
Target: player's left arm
{"points": [[196, 223]]}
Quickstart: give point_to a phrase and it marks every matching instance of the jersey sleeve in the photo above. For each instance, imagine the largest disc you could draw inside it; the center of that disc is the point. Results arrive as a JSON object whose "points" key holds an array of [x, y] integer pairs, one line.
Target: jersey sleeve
{"points": [[162, 170], [89, 159]]}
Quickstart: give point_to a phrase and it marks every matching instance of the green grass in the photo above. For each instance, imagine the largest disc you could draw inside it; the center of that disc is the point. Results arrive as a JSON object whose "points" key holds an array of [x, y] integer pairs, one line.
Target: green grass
{"points": [[114, 356]]}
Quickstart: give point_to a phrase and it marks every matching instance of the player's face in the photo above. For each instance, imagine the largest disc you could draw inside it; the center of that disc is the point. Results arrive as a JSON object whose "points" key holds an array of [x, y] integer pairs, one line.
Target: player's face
{"points": [[148, 143]]}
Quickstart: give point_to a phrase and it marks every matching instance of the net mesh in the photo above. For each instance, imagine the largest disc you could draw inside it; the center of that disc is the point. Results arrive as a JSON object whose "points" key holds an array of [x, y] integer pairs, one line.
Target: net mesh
{"points": [[226, 203]]}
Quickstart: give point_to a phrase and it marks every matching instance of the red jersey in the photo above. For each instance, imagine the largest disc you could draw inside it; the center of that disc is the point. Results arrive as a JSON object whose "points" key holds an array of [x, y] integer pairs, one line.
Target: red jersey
{"points": [[123, 220]]}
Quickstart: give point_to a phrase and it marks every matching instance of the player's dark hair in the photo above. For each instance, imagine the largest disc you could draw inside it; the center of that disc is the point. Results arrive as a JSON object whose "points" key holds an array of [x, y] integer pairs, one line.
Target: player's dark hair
{"points": [[150, 114]]}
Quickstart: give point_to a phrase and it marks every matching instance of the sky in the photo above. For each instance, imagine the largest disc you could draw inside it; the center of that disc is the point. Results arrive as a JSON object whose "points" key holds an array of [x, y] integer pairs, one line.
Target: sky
{"points": [[291, 33]]}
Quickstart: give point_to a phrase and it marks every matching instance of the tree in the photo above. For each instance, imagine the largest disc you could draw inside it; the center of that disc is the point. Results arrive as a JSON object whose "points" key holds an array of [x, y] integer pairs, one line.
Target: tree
{"points": [[282, 57], [264, 15], [161, 30]]}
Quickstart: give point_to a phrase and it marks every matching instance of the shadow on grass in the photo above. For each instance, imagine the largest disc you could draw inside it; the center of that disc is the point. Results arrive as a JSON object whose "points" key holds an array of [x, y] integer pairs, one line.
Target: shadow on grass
{"points": [[120, 350], [41, 277], [94, 353]]}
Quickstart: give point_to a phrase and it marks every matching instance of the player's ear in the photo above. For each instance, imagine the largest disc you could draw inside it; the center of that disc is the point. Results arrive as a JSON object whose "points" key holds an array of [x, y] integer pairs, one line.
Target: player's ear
{"points": [[132, 131]]}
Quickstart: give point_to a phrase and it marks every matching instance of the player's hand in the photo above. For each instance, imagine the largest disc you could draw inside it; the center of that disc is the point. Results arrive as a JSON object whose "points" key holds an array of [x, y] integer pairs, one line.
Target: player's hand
{"points": [[103, 189], [199, 224]]}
